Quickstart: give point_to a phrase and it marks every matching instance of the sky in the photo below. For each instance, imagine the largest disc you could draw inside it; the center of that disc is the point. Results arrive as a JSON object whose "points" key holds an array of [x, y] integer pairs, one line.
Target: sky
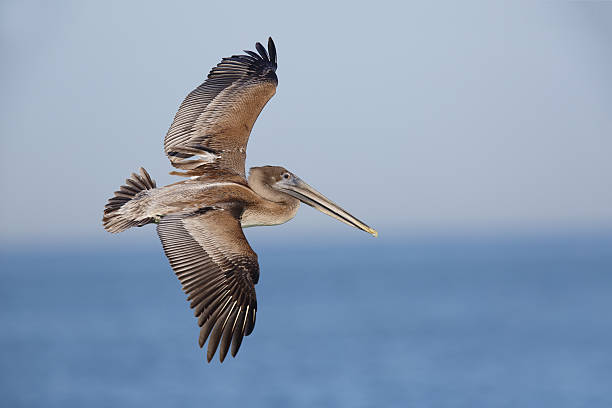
{"points": [[414, 117]]}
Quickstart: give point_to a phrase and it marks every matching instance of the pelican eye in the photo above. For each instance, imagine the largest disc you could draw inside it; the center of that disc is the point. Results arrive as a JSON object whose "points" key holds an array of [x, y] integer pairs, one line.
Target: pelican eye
{"points": [[286, 176]]}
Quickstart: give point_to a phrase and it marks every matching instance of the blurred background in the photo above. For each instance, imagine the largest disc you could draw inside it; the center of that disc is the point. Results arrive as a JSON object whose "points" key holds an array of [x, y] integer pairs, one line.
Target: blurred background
{"points": [[476, 138]]}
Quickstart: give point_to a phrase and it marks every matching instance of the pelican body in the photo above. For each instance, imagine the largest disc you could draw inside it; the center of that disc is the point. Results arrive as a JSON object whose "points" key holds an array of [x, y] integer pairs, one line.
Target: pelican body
{"points": [[200, 219]]}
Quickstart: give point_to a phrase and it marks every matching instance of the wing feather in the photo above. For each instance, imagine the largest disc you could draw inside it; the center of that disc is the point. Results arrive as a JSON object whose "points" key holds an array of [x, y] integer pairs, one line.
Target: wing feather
{"points": [[228, 329], [218, 270], [212, 126], [238, 331]]}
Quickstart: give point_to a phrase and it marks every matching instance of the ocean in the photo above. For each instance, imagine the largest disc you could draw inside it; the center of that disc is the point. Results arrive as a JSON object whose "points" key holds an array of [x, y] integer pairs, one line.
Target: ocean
{"points": [[518, 321]]}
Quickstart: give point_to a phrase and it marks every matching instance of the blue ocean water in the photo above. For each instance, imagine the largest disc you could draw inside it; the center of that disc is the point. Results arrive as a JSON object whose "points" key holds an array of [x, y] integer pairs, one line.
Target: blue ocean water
{"points": [[435, 322]]}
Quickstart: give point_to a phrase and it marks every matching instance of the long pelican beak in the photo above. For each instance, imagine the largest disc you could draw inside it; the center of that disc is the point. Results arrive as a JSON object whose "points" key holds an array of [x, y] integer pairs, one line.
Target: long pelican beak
{"points": [[297, 188]]}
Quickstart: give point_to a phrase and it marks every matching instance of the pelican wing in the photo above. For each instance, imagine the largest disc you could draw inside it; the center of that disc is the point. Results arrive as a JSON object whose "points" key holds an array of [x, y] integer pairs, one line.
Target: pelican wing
{"points": [[218, 270], [212, 126]]}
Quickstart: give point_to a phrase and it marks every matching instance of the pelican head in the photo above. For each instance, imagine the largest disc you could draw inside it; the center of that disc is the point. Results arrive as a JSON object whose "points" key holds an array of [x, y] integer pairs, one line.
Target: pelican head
{"points": [[278, 184]]}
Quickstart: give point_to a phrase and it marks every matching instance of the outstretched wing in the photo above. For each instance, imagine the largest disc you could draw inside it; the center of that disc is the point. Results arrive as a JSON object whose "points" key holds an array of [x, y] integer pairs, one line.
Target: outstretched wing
{"points": [[212, 126], [218, 270]]}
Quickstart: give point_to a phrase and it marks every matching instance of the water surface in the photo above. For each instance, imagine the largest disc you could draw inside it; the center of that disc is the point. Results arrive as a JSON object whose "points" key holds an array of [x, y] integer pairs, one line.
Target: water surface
{"points": [[458, 322]]}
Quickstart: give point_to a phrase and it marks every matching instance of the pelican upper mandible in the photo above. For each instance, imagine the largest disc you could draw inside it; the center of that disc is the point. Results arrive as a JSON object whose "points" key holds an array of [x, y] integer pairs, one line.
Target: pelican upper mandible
{"points": [[200, 219]]}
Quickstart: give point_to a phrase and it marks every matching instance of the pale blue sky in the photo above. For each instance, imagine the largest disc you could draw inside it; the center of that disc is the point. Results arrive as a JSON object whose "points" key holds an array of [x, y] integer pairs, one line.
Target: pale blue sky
{"points": [[414, 117]]}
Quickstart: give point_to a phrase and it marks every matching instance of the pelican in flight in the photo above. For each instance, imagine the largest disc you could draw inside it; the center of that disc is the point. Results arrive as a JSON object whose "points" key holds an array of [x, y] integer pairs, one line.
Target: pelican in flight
{"points": [[200, 219]]}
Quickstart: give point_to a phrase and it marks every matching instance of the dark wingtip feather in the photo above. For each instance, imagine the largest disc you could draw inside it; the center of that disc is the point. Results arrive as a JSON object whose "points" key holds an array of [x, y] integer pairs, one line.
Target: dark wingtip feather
{"points": [[227, 334], [253, 54], [262, 51], [238, 332], [250, 324], [215, 335], [205, 332], [272, 50]]}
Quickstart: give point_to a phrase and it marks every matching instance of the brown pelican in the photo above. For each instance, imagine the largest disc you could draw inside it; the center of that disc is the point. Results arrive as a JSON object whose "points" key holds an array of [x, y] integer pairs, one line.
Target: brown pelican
{"points": [[200, 220]]}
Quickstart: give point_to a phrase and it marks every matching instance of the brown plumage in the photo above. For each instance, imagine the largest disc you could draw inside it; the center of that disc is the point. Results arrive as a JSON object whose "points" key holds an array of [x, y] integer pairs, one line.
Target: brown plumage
{"points": [[218, 270], [212, 126], [200, 219]]}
